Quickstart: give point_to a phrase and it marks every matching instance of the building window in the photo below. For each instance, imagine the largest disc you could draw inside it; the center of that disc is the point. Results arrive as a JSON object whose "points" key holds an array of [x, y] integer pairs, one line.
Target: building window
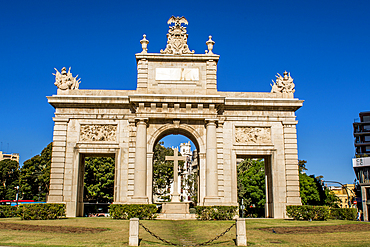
{"points": [[367, 148], [367, 138], [367, 127], [366, 118]]}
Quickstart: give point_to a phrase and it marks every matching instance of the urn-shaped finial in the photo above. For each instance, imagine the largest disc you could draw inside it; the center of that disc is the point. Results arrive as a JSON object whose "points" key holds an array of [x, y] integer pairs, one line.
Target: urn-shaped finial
{"points": [[144, 44], [210, 44]]}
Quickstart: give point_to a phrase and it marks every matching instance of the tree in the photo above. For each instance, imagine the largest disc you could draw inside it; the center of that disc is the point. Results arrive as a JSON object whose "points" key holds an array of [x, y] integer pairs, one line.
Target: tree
{"points": [[251, 183], [308, 190], [99, 179], [9, 172], [312, 191], [35, 176]]}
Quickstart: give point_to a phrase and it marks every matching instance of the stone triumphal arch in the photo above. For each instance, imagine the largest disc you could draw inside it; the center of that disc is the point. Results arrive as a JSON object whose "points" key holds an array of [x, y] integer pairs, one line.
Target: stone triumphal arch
{"points": [[176, 94]]}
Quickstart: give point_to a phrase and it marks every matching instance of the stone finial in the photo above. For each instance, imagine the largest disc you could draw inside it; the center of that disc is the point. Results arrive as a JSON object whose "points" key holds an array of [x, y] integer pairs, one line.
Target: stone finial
{"points": [[65, 80], [177, 38], [283, 84], [144, 44], [210, 44]]}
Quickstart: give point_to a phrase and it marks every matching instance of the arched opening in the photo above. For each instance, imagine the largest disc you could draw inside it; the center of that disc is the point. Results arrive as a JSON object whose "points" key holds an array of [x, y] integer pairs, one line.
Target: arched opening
{"points": [[95, 183], [254, 186], [164, 184]]}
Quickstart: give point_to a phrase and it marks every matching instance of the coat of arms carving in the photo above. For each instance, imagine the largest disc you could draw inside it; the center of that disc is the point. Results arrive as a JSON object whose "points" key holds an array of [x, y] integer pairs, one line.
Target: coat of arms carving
{"points": [[177, 38]]}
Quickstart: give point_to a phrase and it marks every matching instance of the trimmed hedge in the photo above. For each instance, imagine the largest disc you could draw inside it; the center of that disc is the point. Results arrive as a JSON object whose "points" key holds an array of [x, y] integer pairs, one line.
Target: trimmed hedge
{"points": [[306, 212], [343, 213], [216, 212], [42, 211], [128, 211], [7, 211]]}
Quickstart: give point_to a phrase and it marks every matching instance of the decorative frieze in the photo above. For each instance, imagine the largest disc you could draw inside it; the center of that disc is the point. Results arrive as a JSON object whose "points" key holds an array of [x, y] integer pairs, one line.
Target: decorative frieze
{"points": [[98, 132], [253, 135]]}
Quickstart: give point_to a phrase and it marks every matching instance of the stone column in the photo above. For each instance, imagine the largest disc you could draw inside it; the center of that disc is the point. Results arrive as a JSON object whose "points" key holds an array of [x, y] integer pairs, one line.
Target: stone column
{"points": [[140, 163], [134, 232], [211, 165], [58, 161]]}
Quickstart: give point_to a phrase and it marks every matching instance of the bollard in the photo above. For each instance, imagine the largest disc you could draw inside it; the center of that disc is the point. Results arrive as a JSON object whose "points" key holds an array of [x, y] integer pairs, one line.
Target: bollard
{"points": [[241, 232], [134, 232]]}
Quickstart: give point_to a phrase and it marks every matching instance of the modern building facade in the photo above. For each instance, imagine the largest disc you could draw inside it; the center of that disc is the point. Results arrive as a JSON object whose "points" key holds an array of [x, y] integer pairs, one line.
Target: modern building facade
{"points": [[361, 163], [13, 156]]}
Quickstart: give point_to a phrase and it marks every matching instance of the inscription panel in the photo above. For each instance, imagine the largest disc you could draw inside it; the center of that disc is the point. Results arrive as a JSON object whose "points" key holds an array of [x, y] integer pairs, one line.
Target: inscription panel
{"points": [[177, 74]]}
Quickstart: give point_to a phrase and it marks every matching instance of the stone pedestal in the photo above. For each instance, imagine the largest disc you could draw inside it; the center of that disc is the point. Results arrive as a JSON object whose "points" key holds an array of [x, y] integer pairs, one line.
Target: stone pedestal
{"points": [[134, 232], [241, 232], [175, 208]]}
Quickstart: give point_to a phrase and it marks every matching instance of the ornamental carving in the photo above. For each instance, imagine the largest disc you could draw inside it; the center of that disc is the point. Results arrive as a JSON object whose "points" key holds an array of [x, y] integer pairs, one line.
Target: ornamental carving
{"points": [[98, 132], [253, 135], [283, 84], [64, 80], [177, 38]]}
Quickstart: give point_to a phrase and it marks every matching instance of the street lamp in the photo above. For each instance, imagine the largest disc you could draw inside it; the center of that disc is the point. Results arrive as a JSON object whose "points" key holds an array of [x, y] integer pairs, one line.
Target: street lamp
{"points": [[343, 186], [16, 197]]}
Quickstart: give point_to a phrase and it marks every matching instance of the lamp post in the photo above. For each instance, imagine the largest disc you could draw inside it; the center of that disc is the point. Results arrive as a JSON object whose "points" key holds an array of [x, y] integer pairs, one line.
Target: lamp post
{"points": [[16, 197], [343, 186]]}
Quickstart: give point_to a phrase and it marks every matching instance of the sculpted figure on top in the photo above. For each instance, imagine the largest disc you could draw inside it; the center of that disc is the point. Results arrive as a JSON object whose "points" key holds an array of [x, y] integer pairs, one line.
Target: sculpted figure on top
{"points": [[283, 84], [65, 80], [177, 38]]}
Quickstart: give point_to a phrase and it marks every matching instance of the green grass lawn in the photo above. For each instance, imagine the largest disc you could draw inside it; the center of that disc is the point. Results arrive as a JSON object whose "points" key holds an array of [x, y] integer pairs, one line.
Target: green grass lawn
{"points": [[179, 232]]}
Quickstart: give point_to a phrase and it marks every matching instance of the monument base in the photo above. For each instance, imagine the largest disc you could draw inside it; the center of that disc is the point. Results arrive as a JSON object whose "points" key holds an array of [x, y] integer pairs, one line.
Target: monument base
{"points": [[139, 200], [162, 216], [175, 208], [212, 201]]}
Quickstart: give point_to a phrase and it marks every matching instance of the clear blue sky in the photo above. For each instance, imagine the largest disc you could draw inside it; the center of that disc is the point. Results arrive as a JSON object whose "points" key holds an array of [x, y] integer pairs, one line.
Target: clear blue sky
{"points": [[324, 44]]}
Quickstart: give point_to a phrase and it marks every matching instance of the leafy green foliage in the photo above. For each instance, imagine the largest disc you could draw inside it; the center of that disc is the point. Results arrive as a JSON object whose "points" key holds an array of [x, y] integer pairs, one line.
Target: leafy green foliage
{"points": [[9, 175], [42, 211], [35, 176], [163, 170], [251, 184], [306, 212], [128, 211], [216, 212], [308, 190], [343, 213], [312, 191], [7, 211], [99, 179]]}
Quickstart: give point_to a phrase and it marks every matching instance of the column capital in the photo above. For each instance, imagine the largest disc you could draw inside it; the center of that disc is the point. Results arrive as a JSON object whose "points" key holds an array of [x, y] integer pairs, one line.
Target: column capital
{"points": [[211, 121], [142, 121]]}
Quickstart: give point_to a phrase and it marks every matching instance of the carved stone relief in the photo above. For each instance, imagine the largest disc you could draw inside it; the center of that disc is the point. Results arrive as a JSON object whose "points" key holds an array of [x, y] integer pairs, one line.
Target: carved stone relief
{"points": [[98, 132], [65, 81], [283, 84], [177, 38], [253, 135]]}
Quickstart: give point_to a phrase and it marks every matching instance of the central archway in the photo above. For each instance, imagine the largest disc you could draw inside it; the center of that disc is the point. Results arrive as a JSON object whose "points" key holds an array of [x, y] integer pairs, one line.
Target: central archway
{"points": [[184, 130]]}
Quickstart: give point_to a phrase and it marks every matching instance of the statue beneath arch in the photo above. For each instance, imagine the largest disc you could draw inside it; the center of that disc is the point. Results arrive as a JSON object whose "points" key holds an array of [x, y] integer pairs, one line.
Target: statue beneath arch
{"points": [[176, 94]]}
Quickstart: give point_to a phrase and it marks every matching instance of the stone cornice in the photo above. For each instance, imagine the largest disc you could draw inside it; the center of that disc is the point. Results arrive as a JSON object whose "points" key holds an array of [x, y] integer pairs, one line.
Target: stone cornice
{"points": [[183, 57]]}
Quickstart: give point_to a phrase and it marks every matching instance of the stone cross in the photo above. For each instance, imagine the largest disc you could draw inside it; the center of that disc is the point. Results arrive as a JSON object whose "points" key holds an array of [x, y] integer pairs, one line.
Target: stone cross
{"points": [[175, 158]]}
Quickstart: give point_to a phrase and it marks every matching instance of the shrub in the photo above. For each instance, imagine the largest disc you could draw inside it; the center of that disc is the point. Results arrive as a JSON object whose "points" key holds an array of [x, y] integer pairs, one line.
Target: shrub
{"points": [[7, 211], [216, 212], [127, 211], [42, 211], [343, 213], [306, 212]]}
